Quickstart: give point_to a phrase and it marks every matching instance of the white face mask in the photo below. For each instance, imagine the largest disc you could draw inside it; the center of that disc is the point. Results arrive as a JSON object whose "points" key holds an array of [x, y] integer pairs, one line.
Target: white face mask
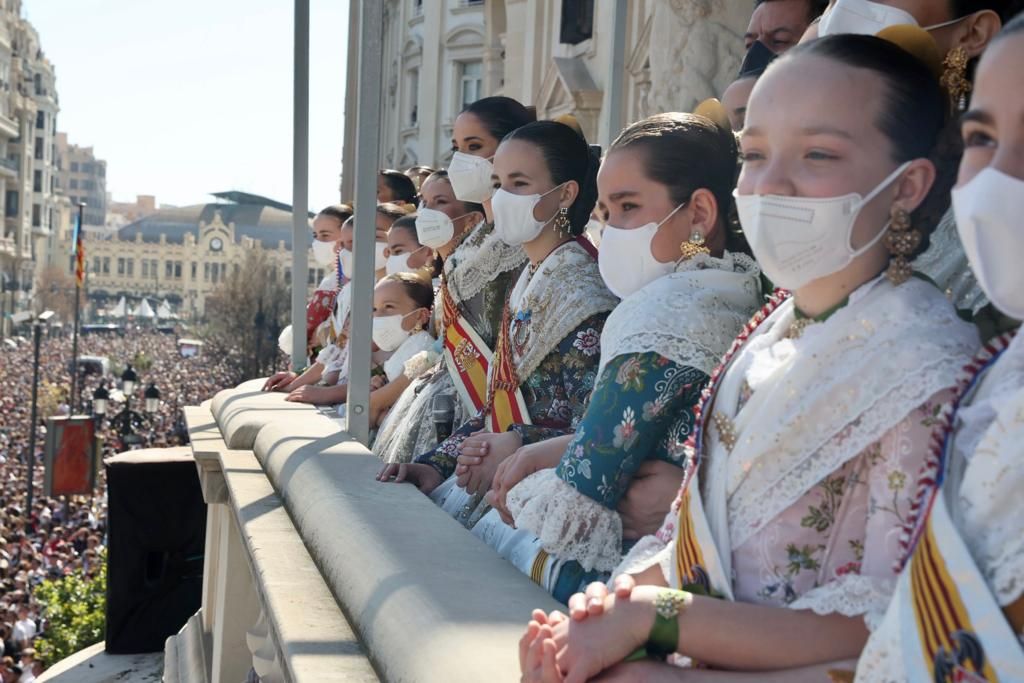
{"points": [[470, 177], [345, 256], [797, 240], [988, 214], [323, 252], [379, 259], [867, 18], [625, 258], [399, 263], [513, 216], [434, 228], [388, 333]]}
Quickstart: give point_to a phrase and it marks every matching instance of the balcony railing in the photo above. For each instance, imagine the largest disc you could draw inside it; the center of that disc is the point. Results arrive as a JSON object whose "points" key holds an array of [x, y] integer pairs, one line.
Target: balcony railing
{"points": [[317, 573]]}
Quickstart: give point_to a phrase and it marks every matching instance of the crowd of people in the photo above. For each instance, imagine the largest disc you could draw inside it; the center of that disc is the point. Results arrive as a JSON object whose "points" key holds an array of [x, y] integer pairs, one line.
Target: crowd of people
{"points": [[742, 391], [59, 536]]}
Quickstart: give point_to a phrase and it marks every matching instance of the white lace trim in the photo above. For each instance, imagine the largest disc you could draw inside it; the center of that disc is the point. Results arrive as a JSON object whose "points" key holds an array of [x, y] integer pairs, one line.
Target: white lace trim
{"points": [[988, 506], [689, 317], [821, 399], [648, 552], [882, 659], [946, 264], [328, 355], [851, 595], [565, 291], [569, 525], [417, 343], [480, 258], [420, 364]]}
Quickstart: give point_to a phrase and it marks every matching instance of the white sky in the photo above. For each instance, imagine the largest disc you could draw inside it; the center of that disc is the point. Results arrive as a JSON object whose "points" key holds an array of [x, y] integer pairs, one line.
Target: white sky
{"points": [[189, 97]]}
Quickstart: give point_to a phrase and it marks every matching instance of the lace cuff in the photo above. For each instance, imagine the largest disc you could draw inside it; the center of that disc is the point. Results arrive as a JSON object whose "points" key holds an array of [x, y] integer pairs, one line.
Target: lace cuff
{"points": [[648, 552], [419, 364], [570, 526], [328, 354], [850, 595]]}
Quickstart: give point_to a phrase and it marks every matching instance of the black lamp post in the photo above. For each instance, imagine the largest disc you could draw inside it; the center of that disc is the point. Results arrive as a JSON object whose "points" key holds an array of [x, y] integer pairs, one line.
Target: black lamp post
{"points": [[127, 418], [100, 397]]}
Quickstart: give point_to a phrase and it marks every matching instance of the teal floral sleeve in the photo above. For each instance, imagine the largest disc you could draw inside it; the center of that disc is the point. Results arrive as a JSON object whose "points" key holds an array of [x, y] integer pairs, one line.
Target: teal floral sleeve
{"points": [[641, 408]]}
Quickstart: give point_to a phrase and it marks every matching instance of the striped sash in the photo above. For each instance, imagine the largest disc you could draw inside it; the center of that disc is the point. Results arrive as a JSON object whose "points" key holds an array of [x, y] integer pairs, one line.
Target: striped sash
{"points": [[505, 403], [467, 357]]}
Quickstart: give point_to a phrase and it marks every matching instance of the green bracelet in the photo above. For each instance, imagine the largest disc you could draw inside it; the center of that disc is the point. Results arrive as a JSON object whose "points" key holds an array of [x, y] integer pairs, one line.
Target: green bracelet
{"points": [[664, 637]]}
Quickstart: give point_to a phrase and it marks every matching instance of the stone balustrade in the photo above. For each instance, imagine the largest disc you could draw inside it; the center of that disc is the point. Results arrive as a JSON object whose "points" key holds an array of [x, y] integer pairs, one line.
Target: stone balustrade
{"points": [[316, 572]]}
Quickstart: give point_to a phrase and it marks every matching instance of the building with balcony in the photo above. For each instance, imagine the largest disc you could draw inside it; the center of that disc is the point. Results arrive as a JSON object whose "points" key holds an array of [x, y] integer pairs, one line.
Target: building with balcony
{"points": [[432, 69], [81, 177]]}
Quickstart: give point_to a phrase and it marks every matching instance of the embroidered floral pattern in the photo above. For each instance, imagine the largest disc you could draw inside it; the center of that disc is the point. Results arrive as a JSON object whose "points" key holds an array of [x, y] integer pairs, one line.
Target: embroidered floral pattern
{"points": [[588, 341]]}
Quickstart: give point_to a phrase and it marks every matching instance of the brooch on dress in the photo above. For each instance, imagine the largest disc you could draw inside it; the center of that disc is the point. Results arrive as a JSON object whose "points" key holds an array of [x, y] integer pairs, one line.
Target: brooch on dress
{"points": [[521, 331]]}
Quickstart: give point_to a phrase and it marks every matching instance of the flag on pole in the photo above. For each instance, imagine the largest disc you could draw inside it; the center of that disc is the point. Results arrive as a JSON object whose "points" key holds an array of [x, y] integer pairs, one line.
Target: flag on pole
{"points": [[78, 249]]}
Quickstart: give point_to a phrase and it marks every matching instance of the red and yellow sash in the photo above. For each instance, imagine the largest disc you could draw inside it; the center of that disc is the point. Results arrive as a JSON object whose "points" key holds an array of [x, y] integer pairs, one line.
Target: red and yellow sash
{"points": [[505, 403], [952, 628], [466, 355]]}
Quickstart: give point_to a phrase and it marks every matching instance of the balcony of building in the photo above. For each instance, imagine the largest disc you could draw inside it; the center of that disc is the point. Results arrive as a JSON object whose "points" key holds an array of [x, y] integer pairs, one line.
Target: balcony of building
{"points": [[316, 572], [8, 167]]}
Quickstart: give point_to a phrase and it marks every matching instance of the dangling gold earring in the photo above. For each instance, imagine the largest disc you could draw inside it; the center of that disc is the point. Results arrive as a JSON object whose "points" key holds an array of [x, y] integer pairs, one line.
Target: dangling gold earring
{"points": [[954, 78], [562, 226], [902, 240], [693, 246]]}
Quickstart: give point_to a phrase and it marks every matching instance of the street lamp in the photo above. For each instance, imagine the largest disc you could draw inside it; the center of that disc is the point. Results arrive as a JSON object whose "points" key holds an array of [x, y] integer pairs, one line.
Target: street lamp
{"points": [[41, 321], [152, 395], [99, 401], [128, 380]]}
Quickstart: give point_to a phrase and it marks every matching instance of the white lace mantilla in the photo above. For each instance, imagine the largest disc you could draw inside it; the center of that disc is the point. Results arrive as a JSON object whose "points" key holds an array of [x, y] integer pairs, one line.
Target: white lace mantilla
{"points": [[480, 258], [566, 290], [567, 524], [819, 400], [690, 316], [984, 491], [417, 343], [851, 595], [946, 264]]}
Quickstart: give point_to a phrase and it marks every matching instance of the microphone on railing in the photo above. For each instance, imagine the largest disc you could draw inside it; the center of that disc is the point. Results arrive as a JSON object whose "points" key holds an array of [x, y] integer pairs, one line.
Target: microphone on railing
{"points": [[442, 408]]}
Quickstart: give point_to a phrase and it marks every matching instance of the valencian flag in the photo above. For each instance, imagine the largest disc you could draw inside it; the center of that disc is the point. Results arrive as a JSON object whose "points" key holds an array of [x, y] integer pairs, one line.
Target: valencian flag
{"points": [[78, 249]]}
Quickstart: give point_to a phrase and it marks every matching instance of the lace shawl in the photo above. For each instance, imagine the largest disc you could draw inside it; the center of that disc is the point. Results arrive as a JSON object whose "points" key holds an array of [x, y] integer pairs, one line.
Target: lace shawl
{"points": [[415, 344], [566, 290], [689, 317], [987, 475], [477, 261], [819, 400]]}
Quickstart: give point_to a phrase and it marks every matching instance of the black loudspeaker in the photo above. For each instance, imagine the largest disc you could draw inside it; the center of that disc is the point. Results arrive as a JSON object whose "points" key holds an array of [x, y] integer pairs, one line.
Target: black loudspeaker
{"points": [[156, 523]]}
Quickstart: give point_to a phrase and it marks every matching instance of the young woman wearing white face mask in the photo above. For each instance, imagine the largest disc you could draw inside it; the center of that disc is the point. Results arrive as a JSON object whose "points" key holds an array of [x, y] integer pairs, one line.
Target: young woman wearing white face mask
{"points": [[820, 417], [967, 537], [401, 315], [478, 272], [684, 299], [404, 253], [542, 370], [961, 30]]}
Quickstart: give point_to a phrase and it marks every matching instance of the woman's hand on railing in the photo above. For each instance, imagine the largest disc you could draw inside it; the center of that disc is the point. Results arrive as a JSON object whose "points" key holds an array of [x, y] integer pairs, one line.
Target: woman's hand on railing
{"points": [[279, 381], [423, 477]]}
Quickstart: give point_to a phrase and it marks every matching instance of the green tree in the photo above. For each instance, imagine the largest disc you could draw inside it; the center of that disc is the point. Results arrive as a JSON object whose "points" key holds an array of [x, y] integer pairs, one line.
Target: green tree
{"points": [[74, 607]]}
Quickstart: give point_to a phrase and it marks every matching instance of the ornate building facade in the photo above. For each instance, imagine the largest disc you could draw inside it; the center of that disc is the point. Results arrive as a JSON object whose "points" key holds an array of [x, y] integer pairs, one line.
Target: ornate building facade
{"points": [[556, 55], [183, 254], [28, 164]]}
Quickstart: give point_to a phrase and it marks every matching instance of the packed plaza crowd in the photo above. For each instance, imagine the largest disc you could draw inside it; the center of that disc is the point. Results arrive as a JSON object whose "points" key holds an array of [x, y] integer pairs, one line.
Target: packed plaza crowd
{"points": [[742, 391], [60, 536]]}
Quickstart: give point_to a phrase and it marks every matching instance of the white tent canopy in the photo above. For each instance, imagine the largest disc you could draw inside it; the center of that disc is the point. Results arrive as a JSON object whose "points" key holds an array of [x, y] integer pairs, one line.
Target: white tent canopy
{"points": [[121, 310], [144, 310], [163, 311]]}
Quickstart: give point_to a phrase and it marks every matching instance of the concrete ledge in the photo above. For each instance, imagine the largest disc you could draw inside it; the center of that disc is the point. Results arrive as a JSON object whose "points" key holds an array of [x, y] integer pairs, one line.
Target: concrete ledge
{"points": [[430, 602], [313, 640], [94, 665], [243, 411], [185, 653]]}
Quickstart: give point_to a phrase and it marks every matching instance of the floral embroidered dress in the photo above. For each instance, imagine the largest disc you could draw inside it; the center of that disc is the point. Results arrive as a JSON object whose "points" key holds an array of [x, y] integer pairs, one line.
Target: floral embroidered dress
{"points": [[809, 441], [984, 476], [555, 316], [479, 275], [657, 351]]}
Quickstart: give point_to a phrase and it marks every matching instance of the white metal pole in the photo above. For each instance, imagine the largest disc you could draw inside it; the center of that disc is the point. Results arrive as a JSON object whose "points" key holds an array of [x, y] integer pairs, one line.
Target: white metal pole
{"points": [[614, 91], [300, 184], [369, 49]]}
